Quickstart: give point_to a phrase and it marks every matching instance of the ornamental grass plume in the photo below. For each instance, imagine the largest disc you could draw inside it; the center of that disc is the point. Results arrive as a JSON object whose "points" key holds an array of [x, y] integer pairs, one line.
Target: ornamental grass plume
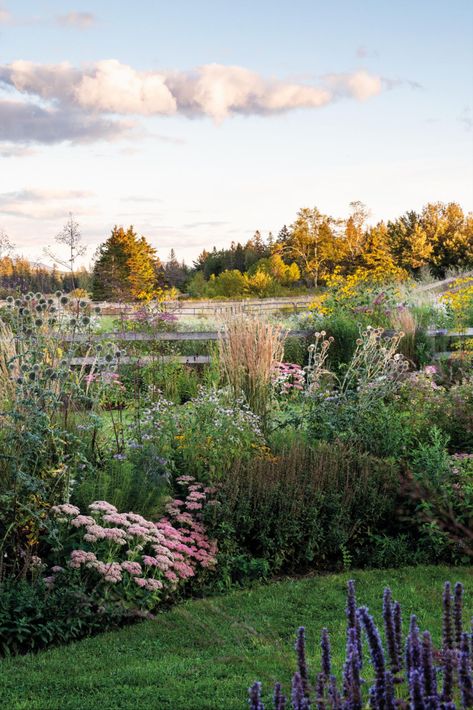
{"points": [[249, 349], [432, 679], [8, 365]]}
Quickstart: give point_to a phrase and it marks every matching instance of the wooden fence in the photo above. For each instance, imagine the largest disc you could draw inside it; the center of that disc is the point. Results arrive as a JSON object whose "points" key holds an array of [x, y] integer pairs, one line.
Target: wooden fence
{"points": [[196, 336], [211, 307]]}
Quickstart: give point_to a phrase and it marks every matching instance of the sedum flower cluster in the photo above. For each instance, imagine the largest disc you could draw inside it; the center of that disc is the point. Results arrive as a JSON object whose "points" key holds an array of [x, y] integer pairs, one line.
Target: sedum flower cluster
{"points": [[125, 559]]}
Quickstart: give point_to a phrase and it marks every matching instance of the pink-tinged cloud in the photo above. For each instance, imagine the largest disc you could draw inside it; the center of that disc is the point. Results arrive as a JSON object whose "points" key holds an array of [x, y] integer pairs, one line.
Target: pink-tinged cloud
{"points": [[77, 20], [90, 98]]}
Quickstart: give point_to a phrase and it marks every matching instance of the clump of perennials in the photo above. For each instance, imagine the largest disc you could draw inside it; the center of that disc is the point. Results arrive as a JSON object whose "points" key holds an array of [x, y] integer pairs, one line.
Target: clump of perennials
{"points": [[410, 673], [128, 561]]}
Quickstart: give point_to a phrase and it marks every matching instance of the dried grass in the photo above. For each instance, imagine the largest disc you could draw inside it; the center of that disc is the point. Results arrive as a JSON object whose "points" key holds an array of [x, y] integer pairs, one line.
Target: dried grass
{"points": [[405, 321], [7, 355], [249, 349]]}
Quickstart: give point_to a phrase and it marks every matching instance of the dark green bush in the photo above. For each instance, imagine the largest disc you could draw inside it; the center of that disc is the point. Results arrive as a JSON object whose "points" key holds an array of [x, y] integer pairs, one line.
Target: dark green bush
{"points": [[308, 507], [33, 617], [138, 485]]}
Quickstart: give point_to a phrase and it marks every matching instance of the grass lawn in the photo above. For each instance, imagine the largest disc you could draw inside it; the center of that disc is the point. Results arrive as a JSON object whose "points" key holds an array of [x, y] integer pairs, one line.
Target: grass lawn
{"points": [[205, 653]]}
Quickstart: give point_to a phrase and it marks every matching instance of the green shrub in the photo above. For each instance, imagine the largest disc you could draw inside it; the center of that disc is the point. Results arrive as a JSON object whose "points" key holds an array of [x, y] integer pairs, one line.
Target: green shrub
{"points": [[344, 327], [304, 508], [33, 616], [138, 485]]}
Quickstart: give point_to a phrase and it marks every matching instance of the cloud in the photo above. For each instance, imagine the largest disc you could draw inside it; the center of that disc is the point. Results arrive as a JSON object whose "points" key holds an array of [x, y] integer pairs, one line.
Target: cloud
{"points": [[360, 85], [117, 88], [27, 123], [218, 91], [198, 225], [78, 20], [5, 16], [466, 118], [41, 203], [84, 104], [9, 150]]}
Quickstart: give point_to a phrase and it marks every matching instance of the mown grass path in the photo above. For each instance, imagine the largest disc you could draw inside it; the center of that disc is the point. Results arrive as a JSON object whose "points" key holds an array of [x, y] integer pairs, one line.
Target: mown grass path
{"points": [[203, 654]]}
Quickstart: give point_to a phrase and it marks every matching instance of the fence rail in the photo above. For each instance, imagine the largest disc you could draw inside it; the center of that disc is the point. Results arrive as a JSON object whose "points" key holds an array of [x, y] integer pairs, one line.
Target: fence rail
{"points": [[143, 359], [201, 336], [214, 307], [209, 335]]}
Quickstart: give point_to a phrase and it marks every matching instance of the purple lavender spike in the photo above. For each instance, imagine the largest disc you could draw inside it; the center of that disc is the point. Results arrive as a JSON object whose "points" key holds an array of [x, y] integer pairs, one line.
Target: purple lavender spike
{"points": [[447, 635], [465, 679], [389, 693], [448, 675], [352, 681], [390, 631], [413, 647], [353, 621], [416, 690], [377, 655], [320, 691], [334, 695], [278, 698], [297, 695], [301, 660], [351, 672], [397, 613], [428, 669], [458, 613], [255, 697], [326, 654]]}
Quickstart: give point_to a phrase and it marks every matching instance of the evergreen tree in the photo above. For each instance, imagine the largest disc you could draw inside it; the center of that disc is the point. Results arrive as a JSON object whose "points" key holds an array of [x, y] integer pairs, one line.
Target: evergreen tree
{"points": [[175, 273], [126, 268]]}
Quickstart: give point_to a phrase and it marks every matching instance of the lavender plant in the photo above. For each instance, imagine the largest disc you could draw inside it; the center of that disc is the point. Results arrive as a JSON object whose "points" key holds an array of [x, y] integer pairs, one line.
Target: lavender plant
{"points": [[411, 675]]}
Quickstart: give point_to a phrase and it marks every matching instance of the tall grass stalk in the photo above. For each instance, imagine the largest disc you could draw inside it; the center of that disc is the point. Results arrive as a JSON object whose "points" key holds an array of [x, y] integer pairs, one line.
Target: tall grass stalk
{"points": [[249, 349]]}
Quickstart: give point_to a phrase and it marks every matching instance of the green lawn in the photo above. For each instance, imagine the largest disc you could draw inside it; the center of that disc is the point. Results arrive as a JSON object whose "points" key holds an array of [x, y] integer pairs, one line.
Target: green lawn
{"points": [[205, 653]]}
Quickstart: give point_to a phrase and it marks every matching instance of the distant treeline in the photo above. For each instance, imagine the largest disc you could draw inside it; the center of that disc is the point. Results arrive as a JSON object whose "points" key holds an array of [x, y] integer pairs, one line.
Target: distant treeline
{"points": [[18, 275], [308, 253]]}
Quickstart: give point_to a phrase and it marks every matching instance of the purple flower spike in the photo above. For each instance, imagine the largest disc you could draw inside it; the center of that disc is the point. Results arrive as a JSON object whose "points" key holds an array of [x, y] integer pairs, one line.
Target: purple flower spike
{"points": [[320, 691], [353, 621], [397, 613], [351, 673], [279, 698], [447, 632], [299, 700], [416, 691], [326, 656], [413, 647], [390, 631], [428, 669], [255, 697], [334, 695], [301, 660], [448, 675], [389, 693], [376, 653], [464, 673], [458, 613]]}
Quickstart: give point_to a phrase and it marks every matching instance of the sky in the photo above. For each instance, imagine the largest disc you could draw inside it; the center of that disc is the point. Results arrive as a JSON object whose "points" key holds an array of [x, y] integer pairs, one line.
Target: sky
{"points": [[200, 121]]}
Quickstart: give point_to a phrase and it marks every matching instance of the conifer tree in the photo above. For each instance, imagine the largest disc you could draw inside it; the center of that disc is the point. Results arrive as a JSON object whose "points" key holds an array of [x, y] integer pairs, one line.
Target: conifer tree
{"points": [[126, 268]]}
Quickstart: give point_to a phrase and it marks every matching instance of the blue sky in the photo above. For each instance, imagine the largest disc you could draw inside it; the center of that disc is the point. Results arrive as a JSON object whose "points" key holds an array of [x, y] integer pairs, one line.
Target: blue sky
{"points": [[215, 118]]}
